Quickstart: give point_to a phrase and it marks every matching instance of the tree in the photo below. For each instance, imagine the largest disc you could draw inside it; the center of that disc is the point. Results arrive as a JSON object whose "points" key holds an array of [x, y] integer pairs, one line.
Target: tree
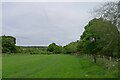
{"points": [[100, 37], [54, 48], [70, 48], [58, 49], [0, 44], [51, 47], [109, 11], [8, 44]]}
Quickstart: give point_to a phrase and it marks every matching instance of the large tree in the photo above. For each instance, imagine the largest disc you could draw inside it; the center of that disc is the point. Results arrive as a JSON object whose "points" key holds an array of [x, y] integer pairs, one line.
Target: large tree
{"points": [[109, 11], [8, 44], [100, 37]]}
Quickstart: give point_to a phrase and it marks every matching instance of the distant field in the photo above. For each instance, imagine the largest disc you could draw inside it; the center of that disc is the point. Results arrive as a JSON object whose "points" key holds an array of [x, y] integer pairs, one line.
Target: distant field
{"points": [[51, 66]]}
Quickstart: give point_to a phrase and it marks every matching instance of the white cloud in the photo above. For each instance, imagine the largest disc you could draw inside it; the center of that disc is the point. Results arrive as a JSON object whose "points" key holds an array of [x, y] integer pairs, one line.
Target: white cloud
{"points": [[57, 0], [44, 23], [0, 19]]}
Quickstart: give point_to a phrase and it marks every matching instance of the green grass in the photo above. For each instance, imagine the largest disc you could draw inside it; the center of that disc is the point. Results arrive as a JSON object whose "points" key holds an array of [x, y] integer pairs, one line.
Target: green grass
{"points": [[51, 66], [0, 66]]}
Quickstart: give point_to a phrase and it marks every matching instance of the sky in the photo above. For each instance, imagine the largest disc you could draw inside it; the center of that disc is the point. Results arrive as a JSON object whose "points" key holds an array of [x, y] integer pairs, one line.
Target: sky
{"points": [[58, 0], [42, 23]]}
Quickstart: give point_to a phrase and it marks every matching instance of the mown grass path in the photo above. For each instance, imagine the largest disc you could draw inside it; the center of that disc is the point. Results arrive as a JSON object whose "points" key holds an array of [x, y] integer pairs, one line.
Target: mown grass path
{"points": [[51, 66]]}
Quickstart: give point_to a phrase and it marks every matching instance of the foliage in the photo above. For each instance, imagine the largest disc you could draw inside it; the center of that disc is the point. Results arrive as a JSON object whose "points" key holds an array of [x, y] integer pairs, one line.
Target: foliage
{"points": [[54, 48], [33, 50], [0, 44], [58, 49], [106, 38], [109, 11], [70, 48], [8, 44]]}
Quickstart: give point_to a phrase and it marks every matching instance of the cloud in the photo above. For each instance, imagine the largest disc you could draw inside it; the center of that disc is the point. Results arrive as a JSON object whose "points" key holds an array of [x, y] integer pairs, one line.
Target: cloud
{"points": [[0, 19], [57, 0], [43, 23]]}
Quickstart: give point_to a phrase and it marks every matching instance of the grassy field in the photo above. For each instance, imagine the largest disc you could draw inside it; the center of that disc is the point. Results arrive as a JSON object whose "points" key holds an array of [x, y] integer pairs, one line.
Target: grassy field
{"points": [[0, 66], [51, 66]]}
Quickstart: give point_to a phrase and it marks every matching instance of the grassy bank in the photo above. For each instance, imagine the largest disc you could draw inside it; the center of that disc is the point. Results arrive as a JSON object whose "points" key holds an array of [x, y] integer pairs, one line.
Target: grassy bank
{"points": [[52, 66]]}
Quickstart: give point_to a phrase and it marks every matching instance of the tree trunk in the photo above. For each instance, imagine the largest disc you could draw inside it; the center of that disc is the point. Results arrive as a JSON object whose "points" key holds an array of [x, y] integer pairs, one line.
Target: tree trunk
{"points": [[94, 58]]}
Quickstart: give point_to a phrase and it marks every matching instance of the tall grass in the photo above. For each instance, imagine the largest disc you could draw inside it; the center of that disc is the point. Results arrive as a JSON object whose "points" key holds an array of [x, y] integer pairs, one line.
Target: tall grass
{"points": [[110, 65]]}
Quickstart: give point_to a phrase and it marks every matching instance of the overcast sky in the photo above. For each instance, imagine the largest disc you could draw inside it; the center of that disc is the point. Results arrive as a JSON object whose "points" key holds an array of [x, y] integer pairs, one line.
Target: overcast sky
{"points": [[41, 23]]}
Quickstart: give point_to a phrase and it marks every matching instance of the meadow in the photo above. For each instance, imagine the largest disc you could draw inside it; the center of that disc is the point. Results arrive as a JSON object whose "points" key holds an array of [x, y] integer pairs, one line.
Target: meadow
{"points": [[0, 66], [52, 66]]}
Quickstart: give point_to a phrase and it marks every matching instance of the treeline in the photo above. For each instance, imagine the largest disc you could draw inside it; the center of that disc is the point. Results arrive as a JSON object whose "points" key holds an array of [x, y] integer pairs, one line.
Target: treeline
{"points": [[8, 44], [33, 46], [68, 49], [9, 47], [101, 37]]}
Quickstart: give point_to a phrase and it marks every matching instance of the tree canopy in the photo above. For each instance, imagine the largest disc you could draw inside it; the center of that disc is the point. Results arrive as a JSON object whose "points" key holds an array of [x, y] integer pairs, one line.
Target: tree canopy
{"points": [[70, 48], [8, 44], [109, 11], [54, 48], [105, 35]]}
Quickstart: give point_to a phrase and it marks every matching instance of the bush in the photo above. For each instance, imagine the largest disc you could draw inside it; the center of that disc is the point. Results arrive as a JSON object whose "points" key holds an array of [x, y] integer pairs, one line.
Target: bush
{"points": [[54, 48], [8, 44], [70, 48]]}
